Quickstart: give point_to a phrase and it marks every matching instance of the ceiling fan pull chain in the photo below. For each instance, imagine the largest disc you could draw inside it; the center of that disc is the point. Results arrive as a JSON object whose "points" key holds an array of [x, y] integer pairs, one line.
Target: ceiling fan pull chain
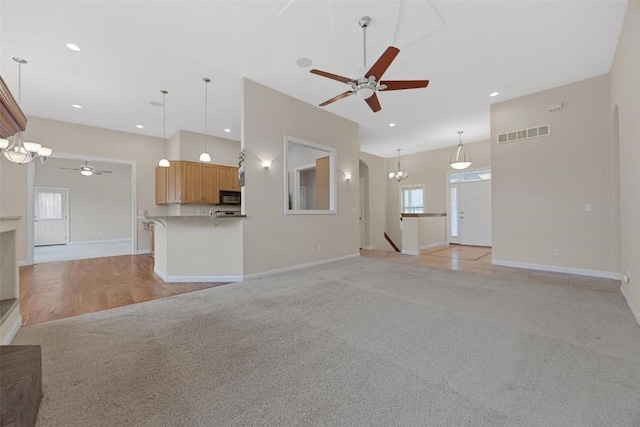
{"points": [[364, 47]]}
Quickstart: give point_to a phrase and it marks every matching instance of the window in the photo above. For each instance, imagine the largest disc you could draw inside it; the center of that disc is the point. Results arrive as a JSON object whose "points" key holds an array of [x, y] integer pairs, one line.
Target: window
{"points": [[412, 200], [454, 212], [470, 176]]}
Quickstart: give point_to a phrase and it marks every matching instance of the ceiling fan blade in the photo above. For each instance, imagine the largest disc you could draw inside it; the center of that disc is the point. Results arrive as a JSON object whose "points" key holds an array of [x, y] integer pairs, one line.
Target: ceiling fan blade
{"points": [[96, 170], [332, 76], [336, 98], [374, 103], [383, 63], [69, 169], [403, 84]]}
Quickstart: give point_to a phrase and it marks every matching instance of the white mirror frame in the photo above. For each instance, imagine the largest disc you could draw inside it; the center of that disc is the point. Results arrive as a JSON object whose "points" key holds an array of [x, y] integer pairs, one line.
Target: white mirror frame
{"points": [[333, 191]]}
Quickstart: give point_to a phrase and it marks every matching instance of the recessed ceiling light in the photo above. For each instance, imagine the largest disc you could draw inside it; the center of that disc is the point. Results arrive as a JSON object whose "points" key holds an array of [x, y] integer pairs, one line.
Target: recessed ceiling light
{"points": [[391, 125], [140, 126], [155, 103], [73, 47], [304, 62], [77, 106], [227, 130], [494, 94]]}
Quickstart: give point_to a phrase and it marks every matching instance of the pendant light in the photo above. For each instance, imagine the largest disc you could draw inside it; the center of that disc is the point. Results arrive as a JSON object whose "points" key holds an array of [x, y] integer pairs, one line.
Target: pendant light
{"points": [[204, 156], [398, 175], [164, 163], [17, 150], [460, 158]]}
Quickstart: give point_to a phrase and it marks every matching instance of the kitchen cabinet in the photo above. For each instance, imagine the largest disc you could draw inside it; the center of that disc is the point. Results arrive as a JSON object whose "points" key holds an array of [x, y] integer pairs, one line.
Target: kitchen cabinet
{"points": [[192, 182], [229, 179], [211, 184], [161, 185]]}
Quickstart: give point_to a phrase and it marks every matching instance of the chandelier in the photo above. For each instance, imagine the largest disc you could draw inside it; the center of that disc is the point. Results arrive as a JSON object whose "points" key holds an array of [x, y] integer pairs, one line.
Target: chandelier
{"points": [[398, 175], [16, 150]]}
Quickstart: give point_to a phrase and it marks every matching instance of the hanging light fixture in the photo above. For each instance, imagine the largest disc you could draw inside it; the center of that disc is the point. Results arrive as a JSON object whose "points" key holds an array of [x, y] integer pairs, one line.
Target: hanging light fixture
{"points": [[17, 150], [460, 158], [164, 163], [398, 175], [204, 156]]}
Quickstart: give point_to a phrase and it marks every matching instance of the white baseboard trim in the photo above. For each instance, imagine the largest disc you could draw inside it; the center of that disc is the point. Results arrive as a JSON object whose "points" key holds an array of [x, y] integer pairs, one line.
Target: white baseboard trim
{"points": [[408, 252], [91, 242], [433, 245], [558, 269], [634, 310], [13, 330], [298, 267], [143, 252], [24, 262], [179, 279]]}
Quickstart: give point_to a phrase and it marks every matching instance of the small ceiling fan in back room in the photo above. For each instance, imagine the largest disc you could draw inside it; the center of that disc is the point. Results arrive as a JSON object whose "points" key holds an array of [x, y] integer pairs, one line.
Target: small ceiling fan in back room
{"points": [[367, 86], [85, 169]]}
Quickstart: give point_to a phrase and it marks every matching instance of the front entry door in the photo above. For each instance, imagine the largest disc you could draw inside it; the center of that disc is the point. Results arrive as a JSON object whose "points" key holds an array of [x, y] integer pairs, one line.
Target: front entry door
{"points": [[475, 213], [50, 216]]}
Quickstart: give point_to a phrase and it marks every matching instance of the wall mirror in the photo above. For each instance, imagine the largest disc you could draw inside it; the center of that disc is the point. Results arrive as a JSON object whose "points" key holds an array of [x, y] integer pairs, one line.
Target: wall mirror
{"points": [[310, 177]]}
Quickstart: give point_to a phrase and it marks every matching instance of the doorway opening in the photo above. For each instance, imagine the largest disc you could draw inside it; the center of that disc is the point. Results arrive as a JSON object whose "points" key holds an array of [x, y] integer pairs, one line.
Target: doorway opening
{"points": [[73, 214], [469, 207], [363, 206]]}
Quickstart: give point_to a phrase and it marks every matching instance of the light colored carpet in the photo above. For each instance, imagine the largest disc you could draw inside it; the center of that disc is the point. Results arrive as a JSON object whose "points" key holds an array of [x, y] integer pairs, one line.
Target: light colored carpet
{"points": [[359, 342]]}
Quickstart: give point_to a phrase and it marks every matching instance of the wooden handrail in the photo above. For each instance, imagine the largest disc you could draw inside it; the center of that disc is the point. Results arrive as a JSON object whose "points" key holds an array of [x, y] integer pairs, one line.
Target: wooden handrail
{"points": [[386, 236]]}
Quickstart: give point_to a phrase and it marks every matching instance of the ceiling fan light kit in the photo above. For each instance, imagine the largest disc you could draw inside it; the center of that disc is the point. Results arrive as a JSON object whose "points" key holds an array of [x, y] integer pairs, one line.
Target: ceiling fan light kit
{"points": [[460, 158], [16, 150], [367, 86]]}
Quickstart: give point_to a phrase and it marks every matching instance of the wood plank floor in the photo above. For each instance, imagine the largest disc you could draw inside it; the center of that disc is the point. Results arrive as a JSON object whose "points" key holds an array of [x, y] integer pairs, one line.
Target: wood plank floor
{"points": [[68, 288], [475, 259]]}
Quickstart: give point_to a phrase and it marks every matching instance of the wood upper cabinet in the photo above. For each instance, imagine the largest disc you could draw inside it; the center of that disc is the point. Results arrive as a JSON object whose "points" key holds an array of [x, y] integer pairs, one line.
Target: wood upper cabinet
{"points": [[174, 182], [229, 178], [191, 182], [161, 185], [211, 184]]}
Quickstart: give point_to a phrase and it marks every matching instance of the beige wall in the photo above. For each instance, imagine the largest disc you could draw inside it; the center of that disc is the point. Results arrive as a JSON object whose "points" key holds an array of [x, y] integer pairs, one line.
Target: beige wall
{"points": [[89, 141], [375, 196], [540, 186], [99, 205], [430, 169], [273, 240], [625, 95]]}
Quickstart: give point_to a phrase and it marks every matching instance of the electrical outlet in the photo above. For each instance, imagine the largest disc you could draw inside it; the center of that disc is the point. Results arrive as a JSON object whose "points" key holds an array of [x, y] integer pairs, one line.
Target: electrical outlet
{"points": [[587, 207], [353, 210], [556, 252], [319, 248]]}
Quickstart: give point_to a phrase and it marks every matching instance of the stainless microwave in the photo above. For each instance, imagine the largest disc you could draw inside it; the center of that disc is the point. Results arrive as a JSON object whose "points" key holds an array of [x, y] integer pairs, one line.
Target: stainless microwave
{"points": [[229, 197]]}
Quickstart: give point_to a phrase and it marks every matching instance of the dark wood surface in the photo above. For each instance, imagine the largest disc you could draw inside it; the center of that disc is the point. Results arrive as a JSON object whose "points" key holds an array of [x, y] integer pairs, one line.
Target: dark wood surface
{"points": [[12, 119], [21, 384]]}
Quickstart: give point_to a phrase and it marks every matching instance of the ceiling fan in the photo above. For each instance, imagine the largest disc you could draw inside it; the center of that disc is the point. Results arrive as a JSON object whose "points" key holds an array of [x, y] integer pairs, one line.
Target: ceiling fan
{"points": [[367, 86], [86, 170]]}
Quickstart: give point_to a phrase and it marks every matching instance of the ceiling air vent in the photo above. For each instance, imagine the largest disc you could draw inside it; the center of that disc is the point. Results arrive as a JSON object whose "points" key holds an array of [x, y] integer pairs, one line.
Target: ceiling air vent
{"points": [[518, 135]]}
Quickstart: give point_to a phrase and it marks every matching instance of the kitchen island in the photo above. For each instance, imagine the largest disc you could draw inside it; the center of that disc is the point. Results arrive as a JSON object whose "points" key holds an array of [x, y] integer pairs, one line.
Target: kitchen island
{"points": [[198, 248]]}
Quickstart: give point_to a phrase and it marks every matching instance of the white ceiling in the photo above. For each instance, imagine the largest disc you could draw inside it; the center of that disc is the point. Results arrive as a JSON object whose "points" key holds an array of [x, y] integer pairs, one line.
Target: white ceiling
{"points": [[131, 50]]}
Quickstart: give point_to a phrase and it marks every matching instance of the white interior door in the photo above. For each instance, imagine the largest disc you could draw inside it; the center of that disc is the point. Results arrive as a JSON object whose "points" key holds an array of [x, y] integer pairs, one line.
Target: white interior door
{"points": [[361, 213], [475, 213], [51, 220]]}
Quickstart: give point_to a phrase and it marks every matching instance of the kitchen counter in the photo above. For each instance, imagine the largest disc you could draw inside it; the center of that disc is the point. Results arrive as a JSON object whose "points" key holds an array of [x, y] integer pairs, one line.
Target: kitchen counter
{"points": [[198, 248]]}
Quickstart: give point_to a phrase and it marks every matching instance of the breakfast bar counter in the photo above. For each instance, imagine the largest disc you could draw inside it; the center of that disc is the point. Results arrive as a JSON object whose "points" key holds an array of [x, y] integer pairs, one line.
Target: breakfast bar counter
{"points": [[198, 248]]}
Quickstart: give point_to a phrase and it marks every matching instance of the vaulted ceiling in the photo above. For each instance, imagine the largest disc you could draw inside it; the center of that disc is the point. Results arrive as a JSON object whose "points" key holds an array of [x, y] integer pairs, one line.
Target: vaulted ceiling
{"points": [[467, 49]]}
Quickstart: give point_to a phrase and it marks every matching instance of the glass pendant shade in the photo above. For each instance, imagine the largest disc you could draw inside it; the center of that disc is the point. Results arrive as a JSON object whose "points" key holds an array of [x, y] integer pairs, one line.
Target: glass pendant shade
{"points": [[164, 163], [17, 155], [205, 157], [460, 158], [86, 172], [45, 152], [32, 147], [4, 143]]}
